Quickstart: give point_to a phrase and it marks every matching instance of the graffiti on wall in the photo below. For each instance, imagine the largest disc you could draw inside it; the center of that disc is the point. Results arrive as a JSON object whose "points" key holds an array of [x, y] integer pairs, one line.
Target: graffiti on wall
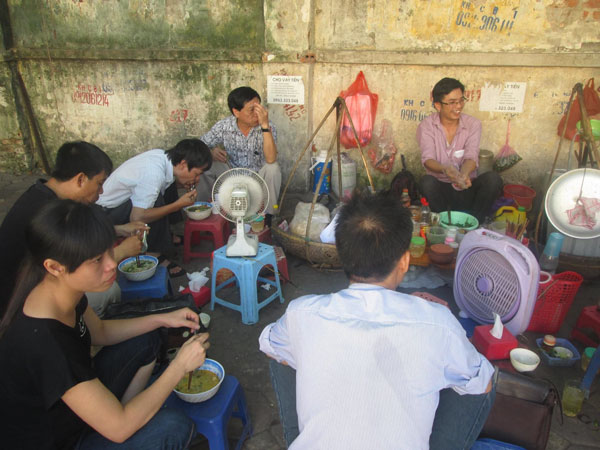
{"points": [[92, 94], [486, 18]]}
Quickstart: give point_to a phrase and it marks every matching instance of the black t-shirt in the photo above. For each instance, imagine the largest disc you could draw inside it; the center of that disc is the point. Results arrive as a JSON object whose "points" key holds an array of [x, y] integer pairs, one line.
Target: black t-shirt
{"points": [[40, 360], [12, 236]]}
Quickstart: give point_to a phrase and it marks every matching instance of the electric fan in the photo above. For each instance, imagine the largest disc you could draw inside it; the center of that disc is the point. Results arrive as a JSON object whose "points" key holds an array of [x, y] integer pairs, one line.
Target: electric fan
{"points": [[496, 274], [241, 195]]}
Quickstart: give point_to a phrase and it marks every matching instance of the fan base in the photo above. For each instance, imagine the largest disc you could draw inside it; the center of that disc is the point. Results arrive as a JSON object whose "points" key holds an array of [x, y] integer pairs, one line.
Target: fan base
{"points": [[242, 244]]}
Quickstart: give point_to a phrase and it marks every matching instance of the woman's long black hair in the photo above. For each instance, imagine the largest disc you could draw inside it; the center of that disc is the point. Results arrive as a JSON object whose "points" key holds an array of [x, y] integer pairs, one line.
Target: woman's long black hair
{"points": [[65, 231]]}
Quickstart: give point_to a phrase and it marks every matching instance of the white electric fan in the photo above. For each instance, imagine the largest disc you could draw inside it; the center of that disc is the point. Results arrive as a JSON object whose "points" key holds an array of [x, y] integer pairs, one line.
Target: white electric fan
{"points": [[496, 274], [241, 195]]}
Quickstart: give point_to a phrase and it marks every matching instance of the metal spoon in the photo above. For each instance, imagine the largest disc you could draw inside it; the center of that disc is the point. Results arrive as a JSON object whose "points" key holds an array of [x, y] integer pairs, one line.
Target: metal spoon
{"points": [[142, 250]]}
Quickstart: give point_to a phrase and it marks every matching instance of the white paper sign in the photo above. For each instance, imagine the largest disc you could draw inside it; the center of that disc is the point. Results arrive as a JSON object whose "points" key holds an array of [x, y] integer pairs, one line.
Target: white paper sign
{"points": [[508, 98], [285, 90]]}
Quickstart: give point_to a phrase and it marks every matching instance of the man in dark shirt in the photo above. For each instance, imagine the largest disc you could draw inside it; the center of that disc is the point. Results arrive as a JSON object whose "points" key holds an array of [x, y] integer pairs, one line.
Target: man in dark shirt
{"points": [[79, 172]]}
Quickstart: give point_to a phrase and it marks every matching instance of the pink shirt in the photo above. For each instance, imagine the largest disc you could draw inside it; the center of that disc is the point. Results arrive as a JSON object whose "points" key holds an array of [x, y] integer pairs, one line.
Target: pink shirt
{"points": [[465, 145]]}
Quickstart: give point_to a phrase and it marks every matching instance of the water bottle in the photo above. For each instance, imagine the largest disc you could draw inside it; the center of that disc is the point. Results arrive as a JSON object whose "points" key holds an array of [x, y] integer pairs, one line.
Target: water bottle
{"points": [[425, 211], [549, 258], [405, 198]]}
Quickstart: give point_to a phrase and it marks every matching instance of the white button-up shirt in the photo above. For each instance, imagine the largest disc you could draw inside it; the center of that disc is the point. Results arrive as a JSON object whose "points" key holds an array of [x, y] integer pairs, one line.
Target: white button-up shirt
{"points": [[141, 179], [370, 364]]}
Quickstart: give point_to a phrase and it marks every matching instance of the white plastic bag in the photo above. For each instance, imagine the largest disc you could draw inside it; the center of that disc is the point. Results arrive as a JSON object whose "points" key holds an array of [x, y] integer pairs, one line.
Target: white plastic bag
{"points": [[319, 221]]}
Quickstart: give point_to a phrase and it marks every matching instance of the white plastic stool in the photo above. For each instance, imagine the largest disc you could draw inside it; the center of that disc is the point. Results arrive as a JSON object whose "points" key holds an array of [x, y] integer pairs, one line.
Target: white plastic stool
{"points": [[245, 270]]}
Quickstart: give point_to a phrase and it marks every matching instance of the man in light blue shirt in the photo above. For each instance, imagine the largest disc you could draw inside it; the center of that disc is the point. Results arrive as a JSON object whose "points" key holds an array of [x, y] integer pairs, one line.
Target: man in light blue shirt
{"points": [[376, 368]]}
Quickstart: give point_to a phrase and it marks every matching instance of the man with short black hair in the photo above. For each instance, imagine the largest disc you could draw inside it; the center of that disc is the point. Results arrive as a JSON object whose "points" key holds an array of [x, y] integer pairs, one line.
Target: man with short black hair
{"points": [[135, 191], [248, 139], [449, 142], [79, 173], [376, 368]]}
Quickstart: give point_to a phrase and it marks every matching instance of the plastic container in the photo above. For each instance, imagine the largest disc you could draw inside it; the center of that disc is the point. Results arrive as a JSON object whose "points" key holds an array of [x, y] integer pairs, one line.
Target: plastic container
{"points": [[318, 168], [559, 362], [436, 235], [586, 357], [425, 211], [522, 195], [415, 212], [554, 299], [405, 198], [348, 176], [417, 247], [551, 253]]}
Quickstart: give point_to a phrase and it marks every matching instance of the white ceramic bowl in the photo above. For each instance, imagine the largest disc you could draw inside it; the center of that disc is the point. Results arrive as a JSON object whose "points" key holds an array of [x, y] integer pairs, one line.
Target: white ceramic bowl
{"points": [[138, 276], [198, 215], [524, 360], [213, 366]]}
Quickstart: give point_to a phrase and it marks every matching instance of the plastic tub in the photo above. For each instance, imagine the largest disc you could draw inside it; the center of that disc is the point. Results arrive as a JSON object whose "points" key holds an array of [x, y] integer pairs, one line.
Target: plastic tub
{"points": [[560, 362], [522, 195]]}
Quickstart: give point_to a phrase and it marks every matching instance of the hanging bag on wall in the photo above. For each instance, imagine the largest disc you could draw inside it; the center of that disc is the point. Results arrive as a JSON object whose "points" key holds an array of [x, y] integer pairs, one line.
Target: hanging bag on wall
{"points": [[362, 105], [591, 100]]}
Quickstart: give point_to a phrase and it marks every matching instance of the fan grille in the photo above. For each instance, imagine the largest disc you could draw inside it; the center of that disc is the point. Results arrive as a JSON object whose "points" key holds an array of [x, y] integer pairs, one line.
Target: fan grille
{"points": [[487, 283], [257, 194]]}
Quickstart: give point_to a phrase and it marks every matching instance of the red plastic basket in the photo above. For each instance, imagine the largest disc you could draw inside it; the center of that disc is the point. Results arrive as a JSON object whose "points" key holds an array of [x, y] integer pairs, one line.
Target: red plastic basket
{"points": [[553, 302], [522, 195]]}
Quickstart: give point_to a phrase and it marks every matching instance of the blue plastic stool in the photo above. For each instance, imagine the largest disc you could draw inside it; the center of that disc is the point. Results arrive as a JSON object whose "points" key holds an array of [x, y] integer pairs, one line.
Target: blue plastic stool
{"points": [[245, 270], [212, 416], [590, 373], [492, 444], [157, 286]]}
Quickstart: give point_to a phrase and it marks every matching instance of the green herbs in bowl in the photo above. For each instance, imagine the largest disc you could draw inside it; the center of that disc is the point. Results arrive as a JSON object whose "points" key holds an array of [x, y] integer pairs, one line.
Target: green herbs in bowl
{"points": [[130, 269]]}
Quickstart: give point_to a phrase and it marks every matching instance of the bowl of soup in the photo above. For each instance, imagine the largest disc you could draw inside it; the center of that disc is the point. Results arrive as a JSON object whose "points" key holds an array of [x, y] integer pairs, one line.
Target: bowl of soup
{"points": [[206, 381], [134, 272], [199, 210]]}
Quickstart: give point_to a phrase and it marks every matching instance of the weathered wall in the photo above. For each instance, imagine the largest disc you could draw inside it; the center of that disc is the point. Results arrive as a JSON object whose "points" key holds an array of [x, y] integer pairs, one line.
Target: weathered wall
{"points": [[137, 74]]}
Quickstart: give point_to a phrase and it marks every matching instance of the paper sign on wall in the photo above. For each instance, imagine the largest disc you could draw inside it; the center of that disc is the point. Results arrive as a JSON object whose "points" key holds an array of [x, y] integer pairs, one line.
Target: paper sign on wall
{"points": [[285, 90], [507, 98]]}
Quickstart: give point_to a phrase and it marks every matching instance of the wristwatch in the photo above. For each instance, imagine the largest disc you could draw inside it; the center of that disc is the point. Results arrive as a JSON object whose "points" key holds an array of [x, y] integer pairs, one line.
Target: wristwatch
{"points": [[266, 130]]}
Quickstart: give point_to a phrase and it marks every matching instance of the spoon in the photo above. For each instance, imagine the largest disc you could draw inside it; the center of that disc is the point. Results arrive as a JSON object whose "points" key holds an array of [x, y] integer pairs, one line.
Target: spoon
{"points": [[142, 250]]}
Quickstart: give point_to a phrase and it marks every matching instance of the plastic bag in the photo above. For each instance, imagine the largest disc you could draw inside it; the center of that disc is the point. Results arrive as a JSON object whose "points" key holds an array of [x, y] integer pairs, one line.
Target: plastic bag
{"points": [[507, 156], [591, 100], [383, 154], [362, 105], [319, 221]]}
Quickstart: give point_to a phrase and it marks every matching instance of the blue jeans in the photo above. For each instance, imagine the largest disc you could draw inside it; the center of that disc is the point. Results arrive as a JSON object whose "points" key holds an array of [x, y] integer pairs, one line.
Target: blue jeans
{"points": [[116, 365], [458, 418]]}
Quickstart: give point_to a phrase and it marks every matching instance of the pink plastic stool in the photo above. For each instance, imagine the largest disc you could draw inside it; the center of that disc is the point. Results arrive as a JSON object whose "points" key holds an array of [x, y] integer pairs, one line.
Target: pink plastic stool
{"points": [[215, 224]]}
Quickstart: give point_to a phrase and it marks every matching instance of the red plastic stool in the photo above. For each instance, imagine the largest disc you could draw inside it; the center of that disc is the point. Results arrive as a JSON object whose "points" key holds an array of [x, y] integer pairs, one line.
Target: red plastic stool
{"points": [[589, 318], [215, 224]]}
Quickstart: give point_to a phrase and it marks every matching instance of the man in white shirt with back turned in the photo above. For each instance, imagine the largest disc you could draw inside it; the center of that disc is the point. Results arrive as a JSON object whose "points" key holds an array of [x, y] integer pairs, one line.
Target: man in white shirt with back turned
{"points": [[376, 368]]}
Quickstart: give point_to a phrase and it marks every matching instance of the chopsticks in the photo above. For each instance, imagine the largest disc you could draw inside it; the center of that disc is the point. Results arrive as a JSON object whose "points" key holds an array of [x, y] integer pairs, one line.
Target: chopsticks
{"points": [[516, 230]]}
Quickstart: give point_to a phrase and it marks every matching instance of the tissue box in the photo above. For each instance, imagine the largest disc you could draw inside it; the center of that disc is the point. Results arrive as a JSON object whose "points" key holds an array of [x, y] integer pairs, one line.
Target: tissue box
{"points": [[489, 346], [201, 298]]}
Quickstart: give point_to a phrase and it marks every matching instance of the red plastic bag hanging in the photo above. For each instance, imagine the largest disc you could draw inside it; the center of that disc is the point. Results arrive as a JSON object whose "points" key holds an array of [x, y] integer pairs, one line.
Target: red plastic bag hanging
{"points": [[591, 100], [362, 105]]}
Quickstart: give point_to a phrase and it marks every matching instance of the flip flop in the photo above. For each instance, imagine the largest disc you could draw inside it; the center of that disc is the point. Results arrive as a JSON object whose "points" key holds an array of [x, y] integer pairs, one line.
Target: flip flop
{"points": [[170, 266], [179, 272]]}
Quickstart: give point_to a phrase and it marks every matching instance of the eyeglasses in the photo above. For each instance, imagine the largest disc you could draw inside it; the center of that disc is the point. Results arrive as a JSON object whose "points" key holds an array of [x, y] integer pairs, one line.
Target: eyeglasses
{"points": [[462, 101]]}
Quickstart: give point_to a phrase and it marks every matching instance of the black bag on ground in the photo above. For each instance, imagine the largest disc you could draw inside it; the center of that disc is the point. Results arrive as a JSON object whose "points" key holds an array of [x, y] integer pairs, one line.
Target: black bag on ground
{"points": [[522, 411], [404, 180], [145, 306]]}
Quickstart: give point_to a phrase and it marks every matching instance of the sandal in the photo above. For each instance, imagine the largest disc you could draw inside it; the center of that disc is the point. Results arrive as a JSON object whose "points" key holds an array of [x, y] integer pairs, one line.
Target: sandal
{"points": [[178, 272]]}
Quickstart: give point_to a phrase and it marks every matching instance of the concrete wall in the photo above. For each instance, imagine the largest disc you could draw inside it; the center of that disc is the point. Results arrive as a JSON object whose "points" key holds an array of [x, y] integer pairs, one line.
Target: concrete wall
{"points": [[138, 74]]}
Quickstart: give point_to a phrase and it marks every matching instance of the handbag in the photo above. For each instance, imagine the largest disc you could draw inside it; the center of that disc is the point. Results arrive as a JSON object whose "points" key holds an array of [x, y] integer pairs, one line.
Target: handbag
{"points": [[146, 306], [522, 411]]}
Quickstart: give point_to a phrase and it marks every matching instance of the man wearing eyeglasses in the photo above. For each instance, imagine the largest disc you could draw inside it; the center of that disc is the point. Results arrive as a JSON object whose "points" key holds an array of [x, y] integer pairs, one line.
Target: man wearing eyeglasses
{"points": [[449, 142]]}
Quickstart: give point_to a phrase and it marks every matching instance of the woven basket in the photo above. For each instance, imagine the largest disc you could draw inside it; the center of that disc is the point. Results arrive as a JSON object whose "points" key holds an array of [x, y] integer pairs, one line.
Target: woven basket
{"points": [[322, 255]]}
